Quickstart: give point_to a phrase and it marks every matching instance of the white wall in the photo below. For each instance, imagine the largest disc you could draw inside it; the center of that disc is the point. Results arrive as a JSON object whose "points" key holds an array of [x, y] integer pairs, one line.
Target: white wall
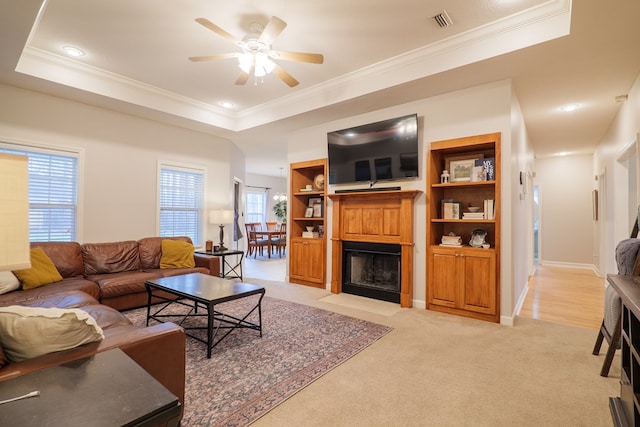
{"points": [[518, 228], [616, 209], [478, 110], [119, 159], [566, 219]]}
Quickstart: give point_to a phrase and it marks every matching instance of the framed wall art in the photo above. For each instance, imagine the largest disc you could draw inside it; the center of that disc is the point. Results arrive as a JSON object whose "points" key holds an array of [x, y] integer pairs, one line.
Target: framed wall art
{"points": [[461, 170]]}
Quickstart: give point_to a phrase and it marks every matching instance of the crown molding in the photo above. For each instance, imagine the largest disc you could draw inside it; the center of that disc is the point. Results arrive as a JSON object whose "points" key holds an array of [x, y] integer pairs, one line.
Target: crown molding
{"points": [[538, 24]]}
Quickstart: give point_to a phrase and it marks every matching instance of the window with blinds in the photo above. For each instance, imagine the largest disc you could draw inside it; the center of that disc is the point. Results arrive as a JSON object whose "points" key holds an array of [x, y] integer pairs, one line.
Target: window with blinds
{"points": [[181, 202], [256, 202], [53, 194]]}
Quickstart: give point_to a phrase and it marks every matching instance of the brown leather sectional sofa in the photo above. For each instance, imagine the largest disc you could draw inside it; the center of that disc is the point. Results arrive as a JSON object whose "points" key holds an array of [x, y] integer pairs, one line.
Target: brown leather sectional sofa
{"points": [[101, 279]]}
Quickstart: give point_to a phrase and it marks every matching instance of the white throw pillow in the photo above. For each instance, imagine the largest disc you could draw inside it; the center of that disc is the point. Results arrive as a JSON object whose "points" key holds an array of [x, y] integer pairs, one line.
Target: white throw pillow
{"points": [[8, 282], [28, 332]]}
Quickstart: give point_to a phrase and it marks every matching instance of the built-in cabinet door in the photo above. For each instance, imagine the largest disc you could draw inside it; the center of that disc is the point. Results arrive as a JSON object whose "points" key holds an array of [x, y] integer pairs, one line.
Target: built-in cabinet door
{"points": [[444, 286], [306, 260], [479, 281], [296, 259], [315, 257], [463, 278]]}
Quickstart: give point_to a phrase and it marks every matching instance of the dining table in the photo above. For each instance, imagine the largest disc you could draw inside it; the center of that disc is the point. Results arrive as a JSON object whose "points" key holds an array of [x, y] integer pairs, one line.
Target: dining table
{"points": [[269, 234]]}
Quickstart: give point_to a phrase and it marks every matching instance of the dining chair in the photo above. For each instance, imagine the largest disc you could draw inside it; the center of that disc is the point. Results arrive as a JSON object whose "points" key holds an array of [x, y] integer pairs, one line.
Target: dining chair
{"points": [[254, 244], [271, 225], [281, 239]]}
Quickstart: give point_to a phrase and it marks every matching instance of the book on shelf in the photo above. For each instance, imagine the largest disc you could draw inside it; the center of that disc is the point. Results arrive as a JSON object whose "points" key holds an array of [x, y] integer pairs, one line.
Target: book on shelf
{"points": [[489, 209], [451, 245], [451, 240], [473, 215], [486, 169], [310, 234], [450, 209]]}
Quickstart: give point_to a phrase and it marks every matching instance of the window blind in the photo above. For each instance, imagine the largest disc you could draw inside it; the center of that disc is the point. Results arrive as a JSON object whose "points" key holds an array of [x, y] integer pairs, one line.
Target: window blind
{"points": [[181, 203], [53, 195], [255, 203]]}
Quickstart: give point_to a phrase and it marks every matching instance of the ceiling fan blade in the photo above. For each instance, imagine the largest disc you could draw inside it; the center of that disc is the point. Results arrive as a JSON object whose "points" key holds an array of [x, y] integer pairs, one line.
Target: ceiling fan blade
{"points": [[285, 77], [244, 77], [213, 27], [273, 29], [314, 58], [212, 57]]}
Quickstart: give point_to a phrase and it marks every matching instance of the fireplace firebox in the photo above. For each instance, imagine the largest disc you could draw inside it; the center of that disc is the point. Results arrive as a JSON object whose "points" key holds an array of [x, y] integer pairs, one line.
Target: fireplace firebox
{"points": [[371, 270]]}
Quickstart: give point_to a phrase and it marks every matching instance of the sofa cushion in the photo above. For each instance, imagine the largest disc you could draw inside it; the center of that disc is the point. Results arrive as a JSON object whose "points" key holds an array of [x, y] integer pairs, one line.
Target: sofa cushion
{"points": [[67, 256], [29, 332], [23, 297], [169, 272], [42, 271], [151, 250], [63, 299], [176, 254], [105, 316], [8, 282], [116, 284], [114, 257]]}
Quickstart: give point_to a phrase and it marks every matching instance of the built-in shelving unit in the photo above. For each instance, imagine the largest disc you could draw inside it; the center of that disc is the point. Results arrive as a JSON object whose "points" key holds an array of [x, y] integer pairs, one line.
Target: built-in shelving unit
{"points": [[307, 255], [463, 280]]}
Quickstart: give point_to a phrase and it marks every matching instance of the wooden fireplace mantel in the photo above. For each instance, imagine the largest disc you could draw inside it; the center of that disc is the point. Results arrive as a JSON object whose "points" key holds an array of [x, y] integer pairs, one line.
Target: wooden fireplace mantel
{"points": [[375, 217]]}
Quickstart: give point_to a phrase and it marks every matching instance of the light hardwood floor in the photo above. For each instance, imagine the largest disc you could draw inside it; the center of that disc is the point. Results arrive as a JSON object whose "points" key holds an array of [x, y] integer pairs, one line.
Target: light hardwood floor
{"points": [[569, 296]]}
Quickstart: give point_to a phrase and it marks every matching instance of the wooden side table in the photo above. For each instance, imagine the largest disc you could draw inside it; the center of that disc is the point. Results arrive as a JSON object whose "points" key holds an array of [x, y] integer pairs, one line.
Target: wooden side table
{"points": [[107, 389]]}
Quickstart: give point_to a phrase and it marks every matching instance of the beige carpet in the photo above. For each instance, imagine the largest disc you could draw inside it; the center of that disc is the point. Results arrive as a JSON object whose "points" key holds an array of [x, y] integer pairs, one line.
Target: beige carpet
{"points": [[440, 370]]}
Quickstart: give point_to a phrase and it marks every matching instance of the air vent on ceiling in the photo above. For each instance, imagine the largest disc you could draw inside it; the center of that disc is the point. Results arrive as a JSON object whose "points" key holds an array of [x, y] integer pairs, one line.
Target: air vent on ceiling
{"points": [[442, 19]]}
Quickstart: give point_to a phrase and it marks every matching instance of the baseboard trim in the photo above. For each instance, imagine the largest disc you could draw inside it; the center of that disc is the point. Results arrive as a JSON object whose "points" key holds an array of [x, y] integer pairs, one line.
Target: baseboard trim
{"points": [[591, 267]]}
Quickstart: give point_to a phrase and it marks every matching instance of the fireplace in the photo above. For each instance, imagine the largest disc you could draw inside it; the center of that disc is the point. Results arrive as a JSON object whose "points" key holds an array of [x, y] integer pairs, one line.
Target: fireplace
{"points": [[371, 270], [378, 225]]}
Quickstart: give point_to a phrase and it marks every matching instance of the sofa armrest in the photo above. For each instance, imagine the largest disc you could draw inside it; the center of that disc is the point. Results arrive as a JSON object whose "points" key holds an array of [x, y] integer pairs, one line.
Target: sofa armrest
{"points": [[158, 349], [208, 261]]}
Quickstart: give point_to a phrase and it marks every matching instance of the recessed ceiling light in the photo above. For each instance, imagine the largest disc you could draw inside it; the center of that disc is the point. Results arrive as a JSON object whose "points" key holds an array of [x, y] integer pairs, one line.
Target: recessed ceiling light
{"points": [[227, 104], [569, 107], [73, 51]]}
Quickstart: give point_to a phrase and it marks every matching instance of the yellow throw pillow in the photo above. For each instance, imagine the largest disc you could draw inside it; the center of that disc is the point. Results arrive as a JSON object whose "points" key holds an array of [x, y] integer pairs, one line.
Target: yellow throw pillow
{"points": [[42, 271], [177, 254]]}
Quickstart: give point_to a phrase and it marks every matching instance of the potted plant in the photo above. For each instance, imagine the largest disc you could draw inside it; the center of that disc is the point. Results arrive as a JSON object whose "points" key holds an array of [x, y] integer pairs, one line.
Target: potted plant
{"points": [[280, 209]]}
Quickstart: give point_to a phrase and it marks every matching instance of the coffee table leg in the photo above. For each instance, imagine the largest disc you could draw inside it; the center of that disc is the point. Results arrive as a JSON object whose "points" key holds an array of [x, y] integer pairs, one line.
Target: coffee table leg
{"points": [[210, 316], [260, 312], [149, 294]]}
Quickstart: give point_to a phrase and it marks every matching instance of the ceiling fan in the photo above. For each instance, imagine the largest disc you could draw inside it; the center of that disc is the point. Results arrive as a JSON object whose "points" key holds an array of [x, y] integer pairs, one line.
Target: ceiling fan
{"points": [[257, 57]]}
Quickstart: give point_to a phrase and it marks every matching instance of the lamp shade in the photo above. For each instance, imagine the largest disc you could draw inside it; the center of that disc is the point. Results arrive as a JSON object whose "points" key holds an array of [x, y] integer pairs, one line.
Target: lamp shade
{"points": [[220, 216], [14, 211]]}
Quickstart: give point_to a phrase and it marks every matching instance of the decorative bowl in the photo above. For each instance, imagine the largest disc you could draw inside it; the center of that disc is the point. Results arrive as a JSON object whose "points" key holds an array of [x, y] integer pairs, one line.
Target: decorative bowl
{"points": [[473, 208], [309, 228]]}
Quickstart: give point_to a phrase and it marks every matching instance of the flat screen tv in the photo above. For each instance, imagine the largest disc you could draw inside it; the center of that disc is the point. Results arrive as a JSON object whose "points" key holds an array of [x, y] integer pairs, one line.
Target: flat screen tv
{"points": [[380, 151]]}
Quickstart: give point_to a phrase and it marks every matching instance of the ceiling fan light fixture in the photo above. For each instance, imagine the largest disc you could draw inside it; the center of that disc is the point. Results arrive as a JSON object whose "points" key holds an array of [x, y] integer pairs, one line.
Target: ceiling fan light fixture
{"points": [[261, 62]]}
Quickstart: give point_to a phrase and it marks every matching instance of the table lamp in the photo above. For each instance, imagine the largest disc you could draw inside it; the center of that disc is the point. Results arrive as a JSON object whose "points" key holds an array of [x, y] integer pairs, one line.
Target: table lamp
{"points": [[221, 217], [14, 210]]}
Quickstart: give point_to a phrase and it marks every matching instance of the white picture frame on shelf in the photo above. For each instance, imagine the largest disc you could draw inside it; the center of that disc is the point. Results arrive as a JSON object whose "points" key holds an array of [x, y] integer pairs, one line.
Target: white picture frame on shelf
{"points": [[308, 213], [461, 170], [317, 210]]}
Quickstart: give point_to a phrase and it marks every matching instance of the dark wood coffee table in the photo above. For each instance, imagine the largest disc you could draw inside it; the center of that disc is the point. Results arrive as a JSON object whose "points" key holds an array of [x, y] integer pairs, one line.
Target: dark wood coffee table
{"points": [[202, 290], [104, 390]]}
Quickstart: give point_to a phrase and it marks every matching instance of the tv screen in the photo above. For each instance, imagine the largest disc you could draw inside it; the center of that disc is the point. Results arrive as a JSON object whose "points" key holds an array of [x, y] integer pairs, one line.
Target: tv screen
{"points": [[380, 151]]}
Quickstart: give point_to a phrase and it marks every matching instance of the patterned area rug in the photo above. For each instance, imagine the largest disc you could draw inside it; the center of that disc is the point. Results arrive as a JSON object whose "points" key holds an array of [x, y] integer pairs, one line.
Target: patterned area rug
{"points": [[247, 375]]}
